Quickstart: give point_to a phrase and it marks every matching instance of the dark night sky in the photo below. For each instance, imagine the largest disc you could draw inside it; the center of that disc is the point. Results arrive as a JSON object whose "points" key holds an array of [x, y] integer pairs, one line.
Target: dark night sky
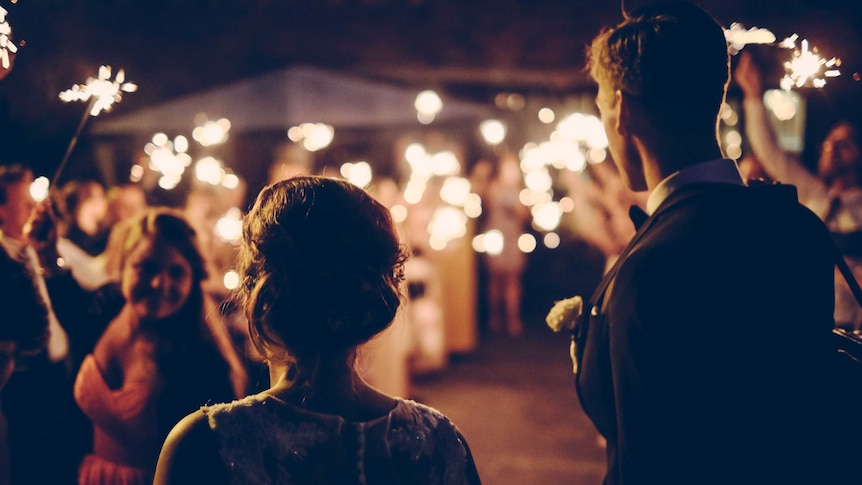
{"points": [[468, 48]]}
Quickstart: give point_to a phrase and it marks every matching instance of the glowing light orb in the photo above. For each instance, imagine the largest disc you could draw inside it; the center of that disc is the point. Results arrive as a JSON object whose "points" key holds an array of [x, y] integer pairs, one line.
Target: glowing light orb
{"points": [[414, 191], [538, 180], [295, 134], [229, 227], [321, 136], [445, 163], [733, 137], [573, 127], [169, 182], [160, 139], [455, 191], [447, 224], [547, 116], [399, 213], [231, 181], [784, 104], [359, 173], [167, 157], [473, 206], [733, 151], [209, 170], [415, 153], [493, 131], [527, 243], [478, 243], [39, 188], [312, 136], [181, 144], [493, 242], [428, 104], [231, 280], [136, 173], [212, 132], [547, 216], [551, 240], [597, 155]]}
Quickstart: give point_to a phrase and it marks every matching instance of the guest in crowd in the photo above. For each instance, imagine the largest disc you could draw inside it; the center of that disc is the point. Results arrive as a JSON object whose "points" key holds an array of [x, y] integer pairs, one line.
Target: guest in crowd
{"points": [[833, 191], [81, 208], [23, 333], [321, 267], [94, 272], [159, 358], [125, 201], [84, 209], [509, 217], [600, 212], [37, 400], [26, 329], [703, 356]]}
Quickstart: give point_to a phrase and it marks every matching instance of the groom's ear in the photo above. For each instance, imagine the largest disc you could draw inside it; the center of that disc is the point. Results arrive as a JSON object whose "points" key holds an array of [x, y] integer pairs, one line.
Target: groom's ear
{"points": [[622, 104], [631, 116]]}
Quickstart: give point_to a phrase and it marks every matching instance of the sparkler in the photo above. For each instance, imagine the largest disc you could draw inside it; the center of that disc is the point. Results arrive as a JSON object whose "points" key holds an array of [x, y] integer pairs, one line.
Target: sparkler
{"points": [[7, 47], [738, 37], [806, 67], [101, 93]]}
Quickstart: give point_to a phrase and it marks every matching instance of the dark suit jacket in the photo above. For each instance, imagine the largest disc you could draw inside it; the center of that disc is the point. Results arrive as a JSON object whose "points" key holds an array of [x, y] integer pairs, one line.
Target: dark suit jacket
{"points": [[705, 357]]}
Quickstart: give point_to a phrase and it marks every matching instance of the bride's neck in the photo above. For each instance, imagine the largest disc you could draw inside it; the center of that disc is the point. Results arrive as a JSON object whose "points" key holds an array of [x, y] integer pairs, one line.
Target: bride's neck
{"points": [[336, 389], [330, 378]]}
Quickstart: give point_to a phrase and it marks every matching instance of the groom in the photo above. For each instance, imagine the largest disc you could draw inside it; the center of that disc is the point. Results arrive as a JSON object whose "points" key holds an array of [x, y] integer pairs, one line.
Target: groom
{"points": [[703, 357]]}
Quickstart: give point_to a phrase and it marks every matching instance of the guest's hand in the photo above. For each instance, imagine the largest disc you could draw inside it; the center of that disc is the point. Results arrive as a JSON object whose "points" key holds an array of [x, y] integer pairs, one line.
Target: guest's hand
{"points": [[747, 75]]}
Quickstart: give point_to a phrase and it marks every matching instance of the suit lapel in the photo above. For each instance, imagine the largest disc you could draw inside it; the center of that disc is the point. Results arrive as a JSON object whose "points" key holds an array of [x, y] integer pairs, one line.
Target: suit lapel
{"points": [[674, 200], [609, 275]]}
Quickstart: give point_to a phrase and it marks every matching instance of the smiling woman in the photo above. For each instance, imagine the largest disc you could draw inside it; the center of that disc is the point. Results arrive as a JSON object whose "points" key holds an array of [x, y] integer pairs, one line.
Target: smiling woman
{"points": [[159, 359], [157, 280]]}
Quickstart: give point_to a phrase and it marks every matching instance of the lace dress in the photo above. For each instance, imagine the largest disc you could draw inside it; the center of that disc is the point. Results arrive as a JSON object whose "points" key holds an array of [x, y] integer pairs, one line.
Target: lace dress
{"points": [[264, 440]]}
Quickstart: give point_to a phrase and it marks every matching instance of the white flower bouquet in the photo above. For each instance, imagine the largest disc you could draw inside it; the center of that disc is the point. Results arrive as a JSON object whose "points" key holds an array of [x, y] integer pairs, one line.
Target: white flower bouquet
{"points": [[565, 313]]}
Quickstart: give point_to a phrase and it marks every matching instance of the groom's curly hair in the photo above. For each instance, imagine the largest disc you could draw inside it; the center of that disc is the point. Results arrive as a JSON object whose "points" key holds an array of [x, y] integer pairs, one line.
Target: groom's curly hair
{"points": [[672, 56]]}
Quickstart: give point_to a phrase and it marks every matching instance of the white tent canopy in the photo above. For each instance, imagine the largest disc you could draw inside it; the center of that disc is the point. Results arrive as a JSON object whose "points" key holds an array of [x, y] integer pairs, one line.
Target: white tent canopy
{"points": [[286, 98]]}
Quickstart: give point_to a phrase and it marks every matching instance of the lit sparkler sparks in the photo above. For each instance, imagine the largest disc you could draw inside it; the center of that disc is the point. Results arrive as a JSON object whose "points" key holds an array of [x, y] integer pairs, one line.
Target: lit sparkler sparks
{"points": [[738, 37], [102, 92], [7, 47], [806, 67]]}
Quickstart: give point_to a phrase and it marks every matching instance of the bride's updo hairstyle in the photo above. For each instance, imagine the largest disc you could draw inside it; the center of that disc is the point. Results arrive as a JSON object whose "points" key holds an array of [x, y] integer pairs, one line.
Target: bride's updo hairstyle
{"points": [[321, 270]]}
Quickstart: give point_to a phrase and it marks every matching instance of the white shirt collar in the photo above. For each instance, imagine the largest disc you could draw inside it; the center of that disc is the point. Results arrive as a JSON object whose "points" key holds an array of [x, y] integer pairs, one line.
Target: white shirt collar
{"points": [[722, 171]]}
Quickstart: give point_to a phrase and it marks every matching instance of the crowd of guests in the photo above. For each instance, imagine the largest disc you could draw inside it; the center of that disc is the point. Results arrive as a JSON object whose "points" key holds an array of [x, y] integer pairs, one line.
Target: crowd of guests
{"points": [[130, 342], [117, 337]]}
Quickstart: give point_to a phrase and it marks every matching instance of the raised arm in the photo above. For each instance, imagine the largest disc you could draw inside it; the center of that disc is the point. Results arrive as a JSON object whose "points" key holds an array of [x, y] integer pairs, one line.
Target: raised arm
{"points": [[780, 165]]}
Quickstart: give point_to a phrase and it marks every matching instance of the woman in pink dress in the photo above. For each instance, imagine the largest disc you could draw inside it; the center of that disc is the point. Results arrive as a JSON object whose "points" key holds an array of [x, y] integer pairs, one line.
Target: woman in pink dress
{"points": [[158, 360]]}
